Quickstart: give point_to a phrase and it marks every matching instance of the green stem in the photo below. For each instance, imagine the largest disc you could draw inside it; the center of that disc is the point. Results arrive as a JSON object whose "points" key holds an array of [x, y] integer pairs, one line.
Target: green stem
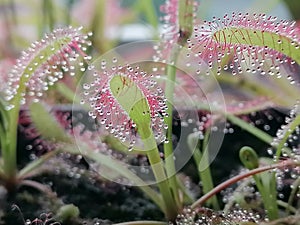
{"points": [[168, 146], [204, 170], [4, 126], [207, 176], [270, 198], [157, 166], [263, 136], [244, 125], [265, 182], [185, 20], [267, 189], [9, 152], [185, 16]]}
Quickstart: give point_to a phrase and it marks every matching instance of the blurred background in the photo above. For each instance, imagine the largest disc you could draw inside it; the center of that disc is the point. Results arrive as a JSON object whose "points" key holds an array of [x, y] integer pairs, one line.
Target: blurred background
{"points": [[112, 21], [116, 22]]}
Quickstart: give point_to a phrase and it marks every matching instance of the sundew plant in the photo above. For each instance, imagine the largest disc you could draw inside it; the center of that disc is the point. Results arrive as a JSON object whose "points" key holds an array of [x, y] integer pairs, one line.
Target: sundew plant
{"points": [[136, 103], [185, 80], [37, 69]]}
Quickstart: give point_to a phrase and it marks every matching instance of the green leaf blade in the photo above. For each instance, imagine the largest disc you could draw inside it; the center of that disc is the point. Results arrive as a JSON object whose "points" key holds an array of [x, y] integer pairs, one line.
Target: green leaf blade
{"points": [[47, 125], [259, 38], [133, 102]]}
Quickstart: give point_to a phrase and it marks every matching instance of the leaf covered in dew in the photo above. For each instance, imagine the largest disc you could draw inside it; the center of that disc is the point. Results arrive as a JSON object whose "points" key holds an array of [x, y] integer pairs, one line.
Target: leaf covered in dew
{"points": [[126, 102], [44, 63], [251, 40], [132, 100]]}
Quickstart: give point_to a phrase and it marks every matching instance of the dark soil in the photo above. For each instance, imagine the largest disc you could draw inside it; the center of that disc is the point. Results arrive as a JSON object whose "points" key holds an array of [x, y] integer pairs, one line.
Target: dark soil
{"points": [[108, 201], [95, 198]]}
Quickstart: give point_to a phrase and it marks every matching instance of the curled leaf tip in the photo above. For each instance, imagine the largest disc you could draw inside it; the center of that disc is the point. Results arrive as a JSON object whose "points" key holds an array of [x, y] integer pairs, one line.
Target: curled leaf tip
{"points": [[252, 40], [249, 158], [44, 63], [127, 102]]}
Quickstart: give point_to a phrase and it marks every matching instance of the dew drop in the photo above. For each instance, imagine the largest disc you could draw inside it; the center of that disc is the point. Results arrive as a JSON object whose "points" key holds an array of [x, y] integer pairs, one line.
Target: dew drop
{"points": [[28, 147], [270, 151]]}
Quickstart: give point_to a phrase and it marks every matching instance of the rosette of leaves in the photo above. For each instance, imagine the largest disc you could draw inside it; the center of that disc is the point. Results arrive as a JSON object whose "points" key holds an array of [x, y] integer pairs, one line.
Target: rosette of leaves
{"points": [[38, 68]]}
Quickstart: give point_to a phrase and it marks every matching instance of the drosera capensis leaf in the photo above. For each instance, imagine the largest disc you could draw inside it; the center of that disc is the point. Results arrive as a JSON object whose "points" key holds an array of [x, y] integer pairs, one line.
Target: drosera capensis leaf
{"points": [[135, 104], [260, 38], [130, 97], [42, 65], [39, 66], [127, 102], [256, 43]]}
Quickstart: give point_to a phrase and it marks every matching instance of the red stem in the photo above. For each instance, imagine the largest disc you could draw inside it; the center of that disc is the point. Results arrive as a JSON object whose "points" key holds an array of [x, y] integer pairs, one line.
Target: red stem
{"points": [[222, 186]]}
